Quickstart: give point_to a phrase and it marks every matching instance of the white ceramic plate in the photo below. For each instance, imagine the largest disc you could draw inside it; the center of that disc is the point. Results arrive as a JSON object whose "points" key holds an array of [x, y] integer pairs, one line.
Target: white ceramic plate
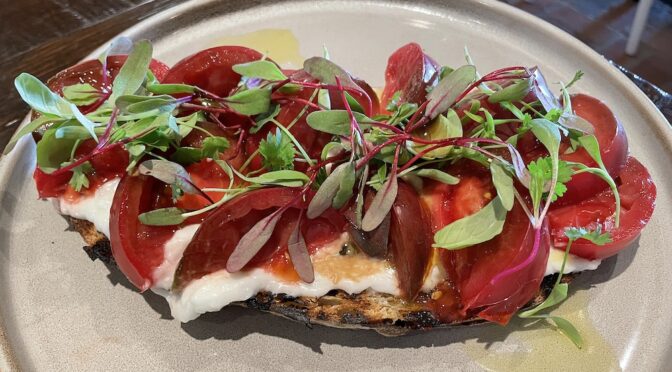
{"points": [[60, 311]]}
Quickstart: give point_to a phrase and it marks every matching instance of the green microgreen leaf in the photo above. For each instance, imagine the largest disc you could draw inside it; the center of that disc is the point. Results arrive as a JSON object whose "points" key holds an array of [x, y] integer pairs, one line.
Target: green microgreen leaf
{"points": [[287, 178], [442, 127], [326, 71], [26, 129], [577, 76], [262, 69], [40, 98], [277, 151], [324, 196], [473, 229], [171, 88], [186, 155], [437, 175], [162, 217], [132, 74], [443, 96], [298, 253], [265, 118], [503, 184], [134, 104], [345, 186], [52, 152], [250, 102], [252, 242], [170, 173], [568, 330], [336, 122], [381, 204], [81, 94], [514, 92]]}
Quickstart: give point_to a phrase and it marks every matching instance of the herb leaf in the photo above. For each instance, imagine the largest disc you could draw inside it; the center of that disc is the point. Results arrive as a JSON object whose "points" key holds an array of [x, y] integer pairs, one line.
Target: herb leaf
{"points": [[40, 98], [503, 184], [473, 229], [79, 180], [443, 96], [326, 71], [568, 330], [132, 74], [250, 102], [213, 146], [170, 173], [381, 204], [298, 253], [287, 178], [324, 197], [345, 192], [277, 151], [26, 129], [262, 69], [81, 94], [162, 217], [250, 244], [437, 175], [336, 122]]}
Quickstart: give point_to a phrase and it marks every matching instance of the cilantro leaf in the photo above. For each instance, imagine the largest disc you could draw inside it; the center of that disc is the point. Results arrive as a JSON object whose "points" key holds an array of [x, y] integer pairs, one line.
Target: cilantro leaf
{"points": [[79, 180], [595, 236], [541, 173], [213, 146], [277, 152]]}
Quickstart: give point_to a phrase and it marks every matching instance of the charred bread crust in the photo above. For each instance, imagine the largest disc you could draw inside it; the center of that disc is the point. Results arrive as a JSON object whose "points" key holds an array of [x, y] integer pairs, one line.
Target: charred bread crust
{"points": [[384, 313]]}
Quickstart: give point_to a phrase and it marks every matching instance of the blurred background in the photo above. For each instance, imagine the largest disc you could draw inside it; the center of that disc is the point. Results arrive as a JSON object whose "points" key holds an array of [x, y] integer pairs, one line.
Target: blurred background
{"points": [[45, 36]]}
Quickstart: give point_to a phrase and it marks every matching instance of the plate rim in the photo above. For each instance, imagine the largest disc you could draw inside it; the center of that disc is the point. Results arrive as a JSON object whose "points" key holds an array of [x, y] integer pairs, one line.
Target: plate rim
{"points": [[635, 95]]}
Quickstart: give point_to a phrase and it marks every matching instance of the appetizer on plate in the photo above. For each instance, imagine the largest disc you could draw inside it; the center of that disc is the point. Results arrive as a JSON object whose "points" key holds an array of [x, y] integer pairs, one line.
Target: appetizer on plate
{"points": [[454, 197]]}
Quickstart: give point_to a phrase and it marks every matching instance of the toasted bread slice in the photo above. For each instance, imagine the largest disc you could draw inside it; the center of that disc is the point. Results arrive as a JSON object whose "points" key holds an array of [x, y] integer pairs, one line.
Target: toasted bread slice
{"points": [[384, 313]]}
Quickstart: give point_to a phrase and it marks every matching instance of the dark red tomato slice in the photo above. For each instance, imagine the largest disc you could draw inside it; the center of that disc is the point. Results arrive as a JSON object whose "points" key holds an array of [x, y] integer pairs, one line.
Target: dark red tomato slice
{"points": [[138, 248], [613, 149], [410, 71], [219, 234], [638, 197], [106, 166], [410, 241], [211, 69], [91, 72]]}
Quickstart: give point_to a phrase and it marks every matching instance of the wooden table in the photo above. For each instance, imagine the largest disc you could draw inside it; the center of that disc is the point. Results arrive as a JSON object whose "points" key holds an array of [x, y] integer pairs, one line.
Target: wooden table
{"points": [[43, 37]]}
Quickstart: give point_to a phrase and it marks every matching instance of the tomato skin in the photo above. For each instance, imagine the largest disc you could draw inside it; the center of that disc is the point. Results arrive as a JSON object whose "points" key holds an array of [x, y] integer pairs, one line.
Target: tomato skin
{"points": [[410, 241], [613, 149], [638, 196], [219, 234], [211, 69], [106, 166], [410, 71], [473, 271], [90, 72], [138, 248], [480, 269]]}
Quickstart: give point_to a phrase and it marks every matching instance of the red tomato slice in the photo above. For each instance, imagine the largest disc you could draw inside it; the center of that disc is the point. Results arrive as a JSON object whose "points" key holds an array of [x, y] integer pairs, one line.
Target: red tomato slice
{"points": [[410, 241], [106, 166], [410, 71], [91, 72], [613, 149], [211, 69], [219, 234], [475, 270], [638, 197], [138, 248]]}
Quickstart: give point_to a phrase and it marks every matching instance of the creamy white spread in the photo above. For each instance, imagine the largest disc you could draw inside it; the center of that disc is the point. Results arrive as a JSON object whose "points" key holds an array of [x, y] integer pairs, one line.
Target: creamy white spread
{"points": [[212, 292], [93, 208]]}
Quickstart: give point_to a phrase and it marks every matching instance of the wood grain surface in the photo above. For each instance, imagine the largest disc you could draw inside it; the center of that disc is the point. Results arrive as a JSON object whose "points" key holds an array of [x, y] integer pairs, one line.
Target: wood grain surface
{"points": [[42, 37]]}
